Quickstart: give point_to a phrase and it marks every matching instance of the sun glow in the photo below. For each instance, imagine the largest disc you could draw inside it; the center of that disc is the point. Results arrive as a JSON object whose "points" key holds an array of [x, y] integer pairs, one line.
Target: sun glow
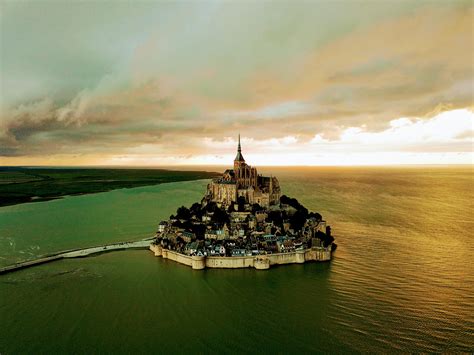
{"points": [[446, 138]]}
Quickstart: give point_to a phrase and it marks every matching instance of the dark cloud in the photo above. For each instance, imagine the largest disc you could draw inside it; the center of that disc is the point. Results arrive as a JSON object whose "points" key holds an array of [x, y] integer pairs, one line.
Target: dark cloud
{"points": [[288, 81]]}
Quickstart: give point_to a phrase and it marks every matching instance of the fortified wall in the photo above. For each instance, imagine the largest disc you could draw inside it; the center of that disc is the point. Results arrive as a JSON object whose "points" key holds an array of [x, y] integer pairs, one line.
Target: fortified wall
{"points": [[259, 262]]}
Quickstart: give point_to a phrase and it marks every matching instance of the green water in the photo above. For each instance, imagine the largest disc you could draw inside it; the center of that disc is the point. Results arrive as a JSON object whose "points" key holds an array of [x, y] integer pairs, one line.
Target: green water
{"points": [[402, 279], [34, 229]]}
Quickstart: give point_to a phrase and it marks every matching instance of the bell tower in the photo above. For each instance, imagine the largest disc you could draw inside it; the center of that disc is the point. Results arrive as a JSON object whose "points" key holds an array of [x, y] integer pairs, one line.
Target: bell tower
{"points": [[239, 159]]}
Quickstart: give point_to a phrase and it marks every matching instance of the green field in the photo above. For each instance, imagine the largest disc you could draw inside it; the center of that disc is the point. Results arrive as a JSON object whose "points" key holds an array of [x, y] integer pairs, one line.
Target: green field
{"points": [[22, 184]]}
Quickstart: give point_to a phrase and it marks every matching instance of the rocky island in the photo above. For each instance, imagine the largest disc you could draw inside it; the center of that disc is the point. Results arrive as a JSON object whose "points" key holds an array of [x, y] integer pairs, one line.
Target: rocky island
{"points": [[243, 221]]}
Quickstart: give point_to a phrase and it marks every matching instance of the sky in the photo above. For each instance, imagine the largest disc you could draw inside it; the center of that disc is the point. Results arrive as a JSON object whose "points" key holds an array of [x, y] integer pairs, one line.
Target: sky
{"points": [[154, 83]]}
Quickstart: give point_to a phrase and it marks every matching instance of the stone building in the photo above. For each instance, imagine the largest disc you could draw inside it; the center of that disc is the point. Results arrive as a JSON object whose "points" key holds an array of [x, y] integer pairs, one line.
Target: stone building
{"points": [[243, 181]]}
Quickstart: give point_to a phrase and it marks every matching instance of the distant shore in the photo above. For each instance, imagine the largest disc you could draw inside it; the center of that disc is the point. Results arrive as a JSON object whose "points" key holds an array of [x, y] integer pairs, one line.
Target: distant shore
{"points": [[25, 184]]}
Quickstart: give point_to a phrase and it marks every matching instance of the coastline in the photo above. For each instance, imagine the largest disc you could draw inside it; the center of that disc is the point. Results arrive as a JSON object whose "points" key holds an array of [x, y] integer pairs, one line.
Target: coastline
{"points": [[37, 199], [21, 185], [259, 262]]}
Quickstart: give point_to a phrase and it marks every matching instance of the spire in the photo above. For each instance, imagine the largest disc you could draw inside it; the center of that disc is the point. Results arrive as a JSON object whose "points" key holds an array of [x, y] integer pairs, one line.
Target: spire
{"points": [[239, 156]]}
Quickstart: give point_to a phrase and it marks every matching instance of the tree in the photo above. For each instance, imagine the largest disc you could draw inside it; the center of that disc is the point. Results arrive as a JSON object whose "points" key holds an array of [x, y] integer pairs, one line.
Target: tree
{"points": [[183, 213], [196, 210], [293, 202], [316, 215], [256, 207], [276, 218], [196, 206], [241, 202], [298, 219], [327, 239], [199, 230], [210, 207], [220, 216]]}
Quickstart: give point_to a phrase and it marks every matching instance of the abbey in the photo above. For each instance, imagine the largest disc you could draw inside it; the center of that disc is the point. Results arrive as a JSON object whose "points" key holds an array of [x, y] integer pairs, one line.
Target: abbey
{"points": [[243, 181]]}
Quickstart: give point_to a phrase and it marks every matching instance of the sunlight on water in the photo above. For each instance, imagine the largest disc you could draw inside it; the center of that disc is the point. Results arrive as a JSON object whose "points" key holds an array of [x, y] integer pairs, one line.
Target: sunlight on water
{"points": [[402, 278]]}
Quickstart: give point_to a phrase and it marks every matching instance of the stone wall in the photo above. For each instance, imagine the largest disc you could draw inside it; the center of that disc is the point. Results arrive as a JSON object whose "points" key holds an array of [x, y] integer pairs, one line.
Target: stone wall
{"points": [[318, 254], [287, 258], [260, 262], [222, 192], [233, 262], [196, 262]]}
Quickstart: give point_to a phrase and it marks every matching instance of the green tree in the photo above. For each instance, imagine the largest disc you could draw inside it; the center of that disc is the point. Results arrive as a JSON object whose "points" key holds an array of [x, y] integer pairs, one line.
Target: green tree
{"points": [[183, 213], [316, 215], [298, 219], [276, 218], [256, 207], [220, 216], [241, 203]]}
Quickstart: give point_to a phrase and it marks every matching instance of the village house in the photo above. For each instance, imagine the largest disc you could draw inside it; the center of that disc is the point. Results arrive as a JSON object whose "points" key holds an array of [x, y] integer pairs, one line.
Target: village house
{"points": [[187, 236], [162, 226]]}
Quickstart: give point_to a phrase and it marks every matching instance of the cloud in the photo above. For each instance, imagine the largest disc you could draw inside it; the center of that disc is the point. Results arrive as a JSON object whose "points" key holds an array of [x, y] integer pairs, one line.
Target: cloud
{"points": [[180, 86], [404, 66], [451, 130]]}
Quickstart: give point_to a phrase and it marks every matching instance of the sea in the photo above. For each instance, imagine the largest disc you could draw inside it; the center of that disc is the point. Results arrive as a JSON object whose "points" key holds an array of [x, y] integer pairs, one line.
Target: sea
{"points": [[400, 281]]}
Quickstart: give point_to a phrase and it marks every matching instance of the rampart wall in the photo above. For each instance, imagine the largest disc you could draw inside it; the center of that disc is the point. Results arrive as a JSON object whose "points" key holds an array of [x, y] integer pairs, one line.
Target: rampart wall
{"points": [[260, 262]]}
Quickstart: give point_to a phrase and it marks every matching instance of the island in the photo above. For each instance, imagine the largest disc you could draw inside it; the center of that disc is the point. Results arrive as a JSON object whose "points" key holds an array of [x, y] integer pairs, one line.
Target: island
{"points": [[243, 221]]}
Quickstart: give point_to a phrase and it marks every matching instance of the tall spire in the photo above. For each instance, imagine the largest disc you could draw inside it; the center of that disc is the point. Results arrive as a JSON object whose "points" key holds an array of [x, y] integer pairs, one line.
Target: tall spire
{"points": [[239, 156]]}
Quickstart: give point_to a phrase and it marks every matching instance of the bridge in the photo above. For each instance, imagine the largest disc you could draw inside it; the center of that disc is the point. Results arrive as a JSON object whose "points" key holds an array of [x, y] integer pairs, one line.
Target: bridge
{"points": [[78, 253]]}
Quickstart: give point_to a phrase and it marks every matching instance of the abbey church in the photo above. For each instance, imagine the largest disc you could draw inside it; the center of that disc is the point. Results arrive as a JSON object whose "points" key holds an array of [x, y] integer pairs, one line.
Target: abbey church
{"points": [[243, 181]]}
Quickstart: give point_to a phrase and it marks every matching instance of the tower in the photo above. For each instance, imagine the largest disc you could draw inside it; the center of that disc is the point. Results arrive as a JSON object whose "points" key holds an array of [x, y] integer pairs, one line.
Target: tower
{"points": [[239, 159]]}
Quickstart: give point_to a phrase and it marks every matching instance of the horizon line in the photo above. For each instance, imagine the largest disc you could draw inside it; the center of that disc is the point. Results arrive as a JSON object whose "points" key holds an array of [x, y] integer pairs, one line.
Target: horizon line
{"points": [[223, 165]]}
